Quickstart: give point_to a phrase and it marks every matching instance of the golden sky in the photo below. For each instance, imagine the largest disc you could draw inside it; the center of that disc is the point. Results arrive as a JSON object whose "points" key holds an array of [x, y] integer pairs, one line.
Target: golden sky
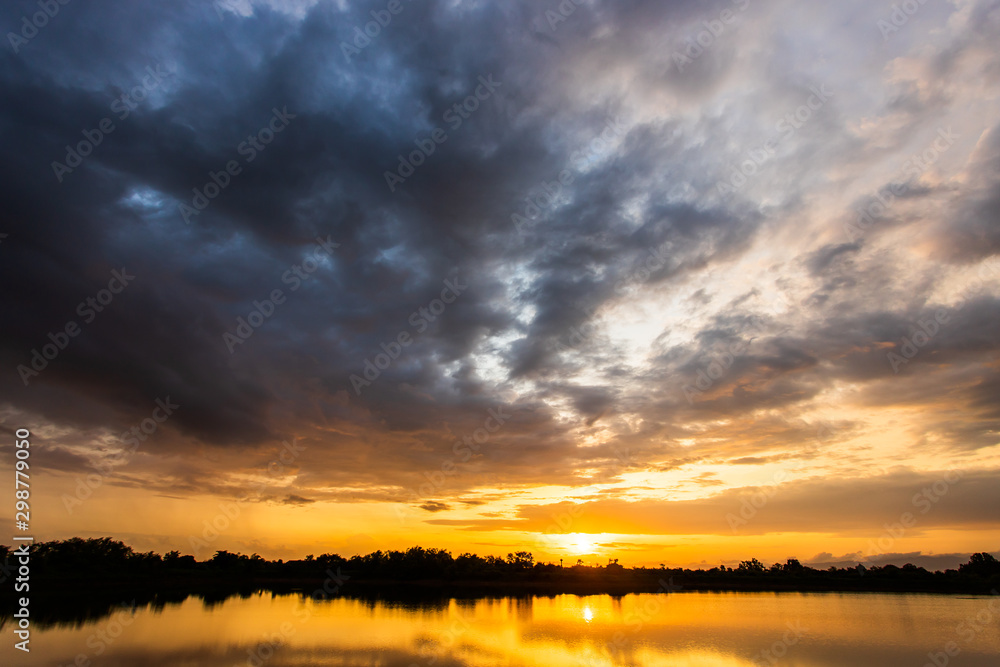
{"points": [[679, 283]]}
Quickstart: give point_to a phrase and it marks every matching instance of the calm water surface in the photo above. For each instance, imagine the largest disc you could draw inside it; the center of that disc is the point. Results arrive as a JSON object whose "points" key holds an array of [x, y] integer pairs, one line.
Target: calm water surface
{"points": [[681, 629]]}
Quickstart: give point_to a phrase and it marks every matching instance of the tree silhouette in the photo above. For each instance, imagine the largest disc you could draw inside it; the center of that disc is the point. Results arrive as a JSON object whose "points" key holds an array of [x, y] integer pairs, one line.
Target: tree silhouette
{"points": [[981, 565], [752, 566], [98, 561]]}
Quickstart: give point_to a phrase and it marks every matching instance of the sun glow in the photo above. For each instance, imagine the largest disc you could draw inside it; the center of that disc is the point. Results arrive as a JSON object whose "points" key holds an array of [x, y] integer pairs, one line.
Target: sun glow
{"points": [[581, 544]]}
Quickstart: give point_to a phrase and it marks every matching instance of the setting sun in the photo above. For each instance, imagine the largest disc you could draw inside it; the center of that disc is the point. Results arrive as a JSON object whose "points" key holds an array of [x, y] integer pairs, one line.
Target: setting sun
{"points": [[475, 302], [581, 544]]}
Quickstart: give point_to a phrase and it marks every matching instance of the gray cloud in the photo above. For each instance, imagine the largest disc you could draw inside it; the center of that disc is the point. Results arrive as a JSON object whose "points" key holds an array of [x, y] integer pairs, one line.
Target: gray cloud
{"points": [[585, 326]]}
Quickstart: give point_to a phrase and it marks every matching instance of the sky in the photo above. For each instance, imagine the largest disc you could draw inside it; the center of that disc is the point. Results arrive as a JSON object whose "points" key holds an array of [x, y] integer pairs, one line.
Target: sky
{"points": [[669, 282]]}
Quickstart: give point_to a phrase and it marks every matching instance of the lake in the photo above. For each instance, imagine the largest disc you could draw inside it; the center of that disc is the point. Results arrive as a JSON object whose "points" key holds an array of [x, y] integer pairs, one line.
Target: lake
{"points": [[678, 629]]}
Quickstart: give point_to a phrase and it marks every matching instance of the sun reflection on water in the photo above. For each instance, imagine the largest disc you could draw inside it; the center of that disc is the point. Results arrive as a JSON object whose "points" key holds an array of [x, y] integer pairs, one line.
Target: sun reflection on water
{"points": [[646, 630]]}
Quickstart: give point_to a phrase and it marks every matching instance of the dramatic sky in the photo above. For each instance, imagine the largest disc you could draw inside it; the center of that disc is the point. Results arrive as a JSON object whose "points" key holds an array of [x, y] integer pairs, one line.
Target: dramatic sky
{"points": [[678, 281]]}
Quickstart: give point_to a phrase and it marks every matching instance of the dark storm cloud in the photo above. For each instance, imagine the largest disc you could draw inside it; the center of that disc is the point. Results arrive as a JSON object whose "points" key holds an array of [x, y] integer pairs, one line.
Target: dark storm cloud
{"points": [[598, 98]]}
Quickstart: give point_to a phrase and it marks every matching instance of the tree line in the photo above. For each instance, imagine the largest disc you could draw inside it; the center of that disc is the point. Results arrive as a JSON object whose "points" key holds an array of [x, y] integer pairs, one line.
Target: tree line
{"points": [[107, 558]]}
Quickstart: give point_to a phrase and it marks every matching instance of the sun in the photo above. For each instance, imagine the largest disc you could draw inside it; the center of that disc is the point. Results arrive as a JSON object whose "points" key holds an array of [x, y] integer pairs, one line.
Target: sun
{"points": [[581, 544]]}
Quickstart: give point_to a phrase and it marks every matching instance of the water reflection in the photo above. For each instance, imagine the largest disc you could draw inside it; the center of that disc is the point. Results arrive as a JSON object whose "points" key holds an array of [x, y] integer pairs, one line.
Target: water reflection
{"points": [[680, 629]]}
